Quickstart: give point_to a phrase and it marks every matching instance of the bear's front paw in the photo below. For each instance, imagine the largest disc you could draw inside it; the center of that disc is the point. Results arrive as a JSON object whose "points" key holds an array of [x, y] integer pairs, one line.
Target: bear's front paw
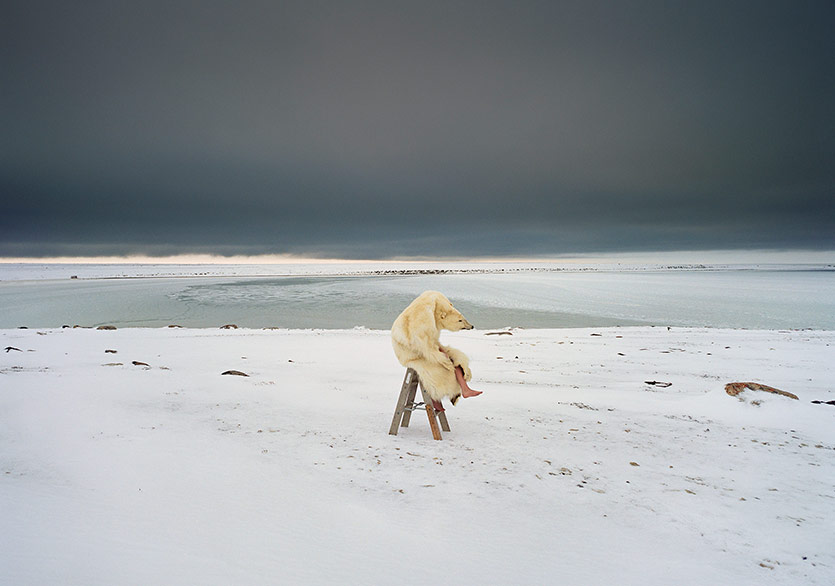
{"points": [[445, 361], [467, 374]]}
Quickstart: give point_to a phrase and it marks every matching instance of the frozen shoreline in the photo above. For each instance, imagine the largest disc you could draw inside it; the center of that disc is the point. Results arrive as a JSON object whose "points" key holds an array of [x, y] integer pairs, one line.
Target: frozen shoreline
{"points": [[112, 473], [747, 298]]}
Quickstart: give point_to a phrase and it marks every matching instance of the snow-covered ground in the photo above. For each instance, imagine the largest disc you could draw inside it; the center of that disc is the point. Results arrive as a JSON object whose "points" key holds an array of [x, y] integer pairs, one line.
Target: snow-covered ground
{"points": [[569, 469]]}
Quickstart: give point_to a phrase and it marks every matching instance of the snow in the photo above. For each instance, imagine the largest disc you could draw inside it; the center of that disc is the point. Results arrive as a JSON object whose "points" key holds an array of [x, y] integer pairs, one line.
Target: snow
{"points": [[112, 473]]}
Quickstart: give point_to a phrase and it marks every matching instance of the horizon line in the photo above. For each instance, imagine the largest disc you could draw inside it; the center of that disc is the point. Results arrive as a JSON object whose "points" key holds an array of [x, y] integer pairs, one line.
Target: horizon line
{"points": [[690, 256]]}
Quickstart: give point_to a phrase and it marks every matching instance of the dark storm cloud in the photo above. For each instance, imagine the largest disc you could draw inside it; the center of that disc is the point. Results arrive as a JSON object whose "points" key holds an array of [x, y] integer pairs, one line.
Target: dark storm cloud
{"points": [[381, 129]]}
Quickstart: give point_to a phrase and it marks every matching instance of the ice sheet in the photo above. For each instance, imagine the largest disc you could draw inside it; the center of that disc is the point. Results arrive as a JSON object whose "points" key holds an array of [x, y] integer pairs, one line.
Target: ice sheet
{"points": [[742, 298]]}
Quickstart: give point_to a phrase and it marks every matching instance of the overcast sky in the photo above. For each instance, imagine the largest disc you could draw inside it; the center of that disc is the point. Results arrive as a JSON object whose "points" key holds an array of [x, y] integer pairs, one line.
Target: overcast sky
{"points": [[373, 130]]}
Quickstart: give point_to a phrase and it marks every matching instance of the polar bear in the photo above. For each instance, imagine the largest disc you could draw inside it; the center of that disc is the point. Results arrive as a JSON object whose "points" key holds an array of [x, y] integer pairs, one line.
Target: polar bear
{"points": [[443, 371]]}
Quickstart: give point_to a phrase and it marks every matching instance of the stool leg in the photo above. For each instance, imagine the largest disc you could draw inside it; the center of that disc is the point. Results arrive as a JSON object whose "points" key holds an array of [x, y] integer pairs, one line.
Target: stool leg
{"points": [[400, 412], [410, 399], [442, 418], [430, 412]]}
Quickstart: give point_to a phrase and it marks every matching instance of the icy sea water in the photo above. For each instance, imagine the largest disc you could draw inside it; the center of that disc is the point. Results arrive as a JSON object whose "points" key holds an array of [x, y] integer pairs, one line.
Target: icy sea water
{"points": [[757, 299]]}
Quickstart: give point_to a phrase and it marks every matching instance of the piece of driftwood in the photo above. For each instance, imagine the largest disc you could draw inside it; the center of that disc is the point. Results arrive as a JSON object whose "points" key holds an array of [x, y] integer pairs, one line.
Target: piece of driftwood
{"points": [[229, 327], [138, 363], [658, 383], [499, 334], [106, 328], [733, 389], [10, 348], [235, 372], [824, 402]]}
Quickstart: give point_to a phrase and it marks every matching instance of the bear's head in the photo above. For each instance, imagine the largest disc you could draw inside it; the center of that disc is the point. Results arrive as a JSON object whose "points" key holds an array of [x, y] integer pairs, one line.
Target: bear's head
{"points": [[449, 318]]}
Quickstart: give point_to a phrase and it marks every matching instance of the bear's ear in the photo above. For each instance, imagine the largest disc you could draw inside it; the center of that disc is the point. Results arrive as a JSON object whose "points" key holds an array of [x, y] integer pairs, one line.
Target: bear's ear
{"points": [[440, 310]]}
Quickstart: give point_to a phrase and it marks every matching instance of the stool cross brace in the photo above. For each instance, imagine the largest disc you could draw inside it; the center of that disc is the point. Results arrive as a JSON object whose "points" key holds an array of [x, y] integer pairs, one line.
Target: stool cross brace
{"points": [[406, 404]]}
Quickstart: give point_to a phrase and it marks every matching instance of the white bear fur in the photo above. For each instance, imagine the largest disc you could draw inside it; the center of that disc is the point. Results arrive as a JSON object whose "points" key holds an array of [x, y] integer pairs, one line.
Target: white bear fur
{"points": [[415, 337]]}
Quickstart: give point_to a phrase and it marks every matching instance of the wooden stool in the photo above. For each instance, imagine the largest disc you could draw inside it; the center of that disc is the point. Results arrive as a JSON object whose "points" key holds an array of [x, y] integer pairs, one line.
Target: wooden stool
{"points": [[406, 404]]}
